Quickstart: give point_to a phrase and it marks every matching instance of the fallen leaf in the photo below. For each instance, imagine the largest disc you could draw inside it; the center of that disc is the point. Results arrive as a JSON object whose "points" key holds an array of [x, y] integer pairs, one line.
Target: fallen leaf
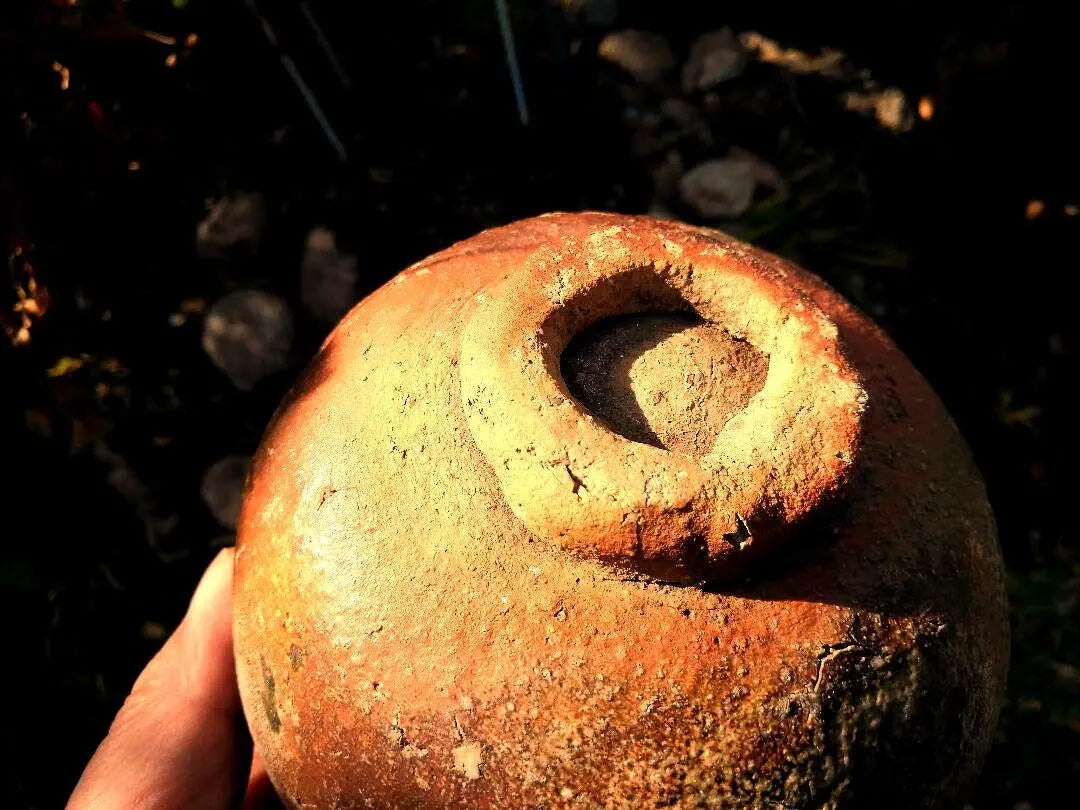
{"points": [[828, 63], [65, 366], [888, 106]]}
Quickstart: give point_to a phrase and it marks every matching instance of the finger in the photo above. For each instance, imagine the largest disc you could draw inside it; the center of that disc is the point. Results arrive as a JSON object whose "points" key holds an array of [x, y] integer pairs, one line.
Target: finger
{"points": [[176, 742]]}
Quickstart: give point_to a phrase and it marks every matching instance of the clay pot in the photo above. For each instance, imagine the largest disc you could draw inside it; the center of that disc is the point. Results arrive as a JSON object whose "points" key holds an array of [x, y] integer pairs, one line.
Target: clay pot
{"points": [[602, 511]]}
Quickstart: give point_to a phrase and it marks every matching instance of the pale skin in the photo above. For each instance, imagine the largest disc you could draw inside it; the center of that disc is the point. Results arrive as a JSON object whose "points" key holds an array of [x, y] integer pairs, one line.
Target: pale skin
{"points": [[179, 741]]}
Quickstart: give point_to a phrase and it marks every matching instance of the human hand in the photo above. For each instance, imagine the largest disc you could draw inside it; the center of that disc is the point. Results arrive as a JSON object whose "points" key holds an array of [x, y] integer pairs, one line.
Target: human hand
{"points": [[180, 741]]}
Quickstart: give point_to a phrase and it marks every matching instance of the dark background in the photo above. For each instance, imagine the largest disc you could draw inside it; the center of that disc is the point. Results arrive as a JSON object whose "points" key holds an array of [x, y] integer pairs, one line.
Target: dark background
{"points": [[957, 234]]}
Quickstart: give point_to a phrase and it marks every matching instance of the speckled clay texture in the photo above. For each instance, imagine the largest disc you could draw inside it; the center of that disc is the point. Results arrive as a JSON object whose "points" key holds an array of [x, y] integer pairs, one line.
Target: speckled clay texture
{"points": [[459, 586]]}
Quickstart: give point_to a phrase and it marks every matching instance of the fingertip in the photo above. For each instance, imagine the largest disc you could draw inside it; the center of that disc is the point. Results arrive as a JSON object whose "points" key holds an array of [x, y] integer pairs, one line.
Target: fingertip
{"points": [[215, 585]]}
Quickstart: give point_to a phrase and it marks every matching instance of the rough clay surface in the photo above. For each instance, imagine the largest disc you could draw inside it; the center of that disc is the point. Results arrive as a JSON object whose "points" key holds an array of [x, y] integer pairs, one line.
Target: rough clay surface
{"points": [[405, 639], [665, 380]]}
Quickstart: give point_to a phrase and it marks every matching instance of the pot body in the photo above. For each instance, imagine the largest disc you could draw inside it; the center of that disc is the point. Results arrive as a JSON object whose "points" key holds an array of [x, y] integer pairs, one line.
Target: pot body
{"points": [[413, 628]]}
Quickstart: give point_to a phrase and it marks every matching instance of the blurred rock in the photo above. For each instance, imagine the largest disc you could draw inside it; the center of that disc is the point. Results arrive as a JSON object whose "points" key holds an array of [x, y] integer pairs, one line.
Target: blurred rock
{"points": [[656, 131], [665, 176], [158, 523], [719, 189], [765, 173], [233, 227], [650, 135], [248, 335], [714, 57], [327, 277], [222, 488], [889, 106], [724, 188], [687, 119], [643, 54], [592, 12]]}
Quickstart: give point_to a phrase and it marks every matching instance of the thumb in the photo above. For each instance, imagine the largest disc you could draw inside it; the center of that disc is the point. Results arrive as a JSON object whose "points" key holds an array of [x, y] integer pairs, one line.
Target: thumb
{"points": [[177, 741]]}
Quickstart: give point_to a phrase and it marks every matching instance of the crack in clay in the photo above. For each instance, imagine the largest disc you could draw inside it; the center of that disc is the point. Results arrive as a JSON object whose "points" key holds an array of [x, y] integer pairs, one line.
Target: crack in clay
{"points": [[831, 652], [578, 484], [325, 495], [458, 730]]}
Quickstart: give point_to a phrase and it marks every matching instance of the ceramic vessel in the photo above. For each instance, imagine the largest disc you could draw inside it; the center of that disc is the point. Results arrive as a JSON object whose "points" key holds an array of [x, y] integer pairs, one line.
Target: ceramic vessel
{"points": [[602, 511]]}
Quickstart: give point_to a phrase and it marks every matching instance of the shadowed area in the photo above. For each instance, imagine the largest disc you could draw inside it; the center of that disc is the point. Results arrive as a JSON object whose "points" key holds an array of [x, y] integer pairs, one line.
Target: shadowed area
{"points": [[669, 380]]}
